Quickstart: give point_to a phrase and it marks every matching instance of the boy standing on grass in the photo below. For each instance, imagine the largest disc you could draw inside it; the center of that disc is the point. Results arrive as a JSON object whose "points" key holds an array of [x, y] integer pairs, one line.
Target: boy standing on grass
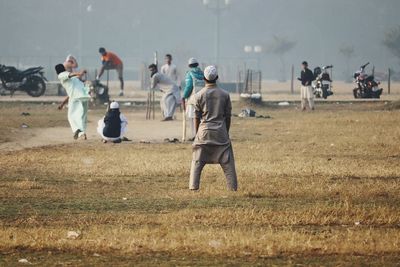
{"points": [[78, 96], [212, 144]]}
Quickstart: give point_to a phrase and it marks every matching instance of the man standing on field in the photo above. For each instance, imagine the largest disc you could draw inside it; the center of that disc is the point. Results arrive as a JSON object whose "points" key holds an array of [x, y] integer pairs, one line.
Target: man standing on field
{"points": [[78, 97], [169, 69], [306, 79], [171, 95], [212, 122], [194, 82], [111, 61]]}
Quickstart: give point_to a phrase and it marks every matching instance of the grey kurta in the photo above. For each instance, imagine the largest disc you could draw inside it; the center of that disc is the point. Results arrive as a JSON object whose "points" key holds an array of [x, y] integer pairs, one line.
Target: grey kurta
{"points": [[212, 143]]}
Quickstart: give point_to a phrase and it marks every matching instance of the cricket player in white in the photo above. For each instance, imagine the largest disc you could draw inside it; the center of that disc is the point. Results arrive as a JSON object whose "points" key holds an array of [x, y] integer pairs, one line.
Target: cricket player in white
{"points": [[171, 97], [212, 144], [78, 96], [170, 69]]}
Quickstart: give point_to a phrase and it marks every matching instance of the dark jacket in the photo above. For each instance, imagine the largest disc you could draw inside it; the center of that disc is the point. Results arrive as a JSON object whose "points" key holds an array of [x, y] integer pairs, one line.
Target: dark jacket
{"points": [[307, 76], [112, 123]]}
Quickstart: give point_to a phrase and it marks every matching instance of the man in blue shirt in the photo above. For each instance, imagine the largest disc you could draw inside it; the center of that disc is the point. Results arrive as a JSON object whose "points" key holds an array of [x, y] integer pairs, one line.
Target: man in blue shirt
{"points": [[194, 82]]}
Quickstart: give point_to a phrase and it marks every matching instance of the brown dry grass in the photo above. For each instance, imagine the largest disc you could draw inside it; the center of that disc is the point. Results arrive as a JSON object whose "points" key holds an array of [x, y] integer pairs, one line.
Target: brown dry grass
{"points": [[316, 188]]}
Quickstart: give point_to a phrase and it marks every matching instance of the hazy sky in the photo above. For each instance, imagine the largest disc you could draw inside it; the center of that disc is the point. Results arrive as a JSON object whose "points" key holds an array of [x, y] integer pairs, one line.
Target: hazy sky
{"points": [[34, 30]]}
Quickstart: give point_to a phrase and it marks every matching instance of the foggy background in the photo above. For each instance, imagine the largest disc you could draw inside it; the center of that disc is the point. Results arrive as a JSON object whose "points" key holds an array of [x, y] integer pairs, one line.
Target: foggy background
{"points": [[44, 32]]}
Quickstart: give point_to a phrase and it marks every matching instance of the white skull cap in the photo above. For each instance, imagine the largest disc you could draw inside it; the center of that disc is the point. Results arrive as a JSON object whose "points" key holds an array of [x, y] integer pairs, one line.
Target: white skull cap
{"points": [[210, 73], [114, 105], [70, 57], [192, 60]]}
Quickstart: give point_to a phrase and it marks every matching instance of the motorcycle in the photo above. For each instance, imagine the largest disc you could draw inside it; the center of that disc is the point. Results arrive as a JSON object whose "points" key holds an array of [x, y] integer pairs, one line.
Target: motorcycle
{"points": [[367, 86], [322, 86], [31, 81], [99, 92]]}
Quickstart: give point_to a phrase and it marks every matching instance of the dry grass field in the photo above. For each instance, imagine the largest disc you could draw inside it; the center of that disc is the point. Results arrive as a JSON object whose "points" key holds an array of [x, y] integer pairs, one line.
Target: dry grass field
{"points": [[318, 188]]}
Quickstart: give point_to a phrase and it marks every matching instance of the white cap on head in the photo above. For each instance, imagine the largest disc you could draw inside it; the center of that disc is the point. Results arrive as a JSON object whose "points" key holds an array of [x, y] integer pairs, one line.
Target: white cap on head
{"points": [[70, 57], [192, 60], [210, 73], [114, 105]]}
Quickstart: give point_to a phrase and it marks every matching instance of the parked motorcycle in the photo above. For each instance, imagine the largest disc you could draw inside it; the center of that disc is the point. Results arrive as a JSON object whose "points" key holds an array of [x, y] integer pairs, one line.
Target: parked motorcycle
{"points": [[367, 86], [31, 81], [322, 85]]}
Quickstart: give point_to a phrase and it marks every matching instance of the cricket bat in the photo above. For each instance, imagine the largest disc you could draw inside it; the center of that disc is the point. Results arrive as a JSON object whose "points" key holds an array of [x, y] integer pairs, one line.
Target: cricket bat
{"points": [[183, 125]]}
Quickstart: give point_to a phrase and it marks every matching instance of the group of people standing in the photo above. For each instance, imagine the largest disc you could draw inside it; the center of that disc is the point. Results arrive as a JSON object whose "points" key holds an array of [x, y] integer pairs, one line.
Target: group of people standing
{"points": [[208, 107]]}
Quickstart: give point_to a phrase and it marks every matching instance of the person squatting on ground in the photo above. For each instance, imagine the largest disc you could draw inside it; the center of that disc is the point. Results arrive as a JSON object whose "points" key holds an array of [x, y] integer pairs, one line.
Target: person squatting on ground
{"points": [[306, 91], [112, 127], [212, 144], [111, 61], [194, 82], [78, 97], [171, 97], [170, 69]]}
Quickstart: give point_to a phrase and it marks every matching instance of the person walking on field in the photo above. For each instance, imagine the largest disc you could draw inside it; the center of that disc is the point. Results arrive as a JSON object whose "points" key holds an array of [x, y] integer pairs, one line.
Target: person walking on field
{"points": [[171, 97], [170, 69], [212, 144], [306, 91], [111, 61], [78, 97], [194, 82]]}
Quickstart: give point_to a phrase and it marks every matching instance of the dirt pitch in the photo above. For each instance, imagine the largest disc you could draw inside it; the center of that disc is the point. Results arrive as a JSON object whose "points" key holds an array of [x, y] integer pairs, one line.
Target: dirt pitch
{"points": [[315, 188]]}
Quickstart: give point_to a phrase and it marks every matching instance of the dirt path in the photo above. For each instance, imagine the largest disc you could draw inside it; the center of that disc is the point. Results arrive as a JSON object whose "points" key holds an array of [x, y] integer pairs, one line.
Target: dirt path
{"points": [[139, 129]]}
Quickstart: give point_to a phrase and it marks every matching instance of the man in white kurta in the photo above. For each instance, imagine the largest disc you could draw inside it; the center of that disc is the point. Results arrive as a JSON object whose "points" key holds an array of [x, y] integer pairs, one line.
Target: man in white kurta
{"points": [[78, 96], [212, 144], [171, 95], [169, 69]]}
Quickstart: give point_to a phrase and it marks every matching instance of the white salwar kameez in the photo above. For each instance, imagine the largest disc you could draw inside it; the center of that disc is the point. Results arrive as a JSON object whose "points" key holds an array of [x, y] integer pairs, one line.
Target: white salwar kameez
{"points": [[78, 95], [171, 97], [170, 71], [307, 95]]}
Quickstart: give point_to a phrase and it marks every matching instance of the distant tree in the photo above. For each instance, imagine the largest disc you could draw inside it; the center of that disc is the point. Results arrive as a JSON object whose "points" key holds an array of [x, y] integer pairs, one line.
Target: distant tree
{"points": [[348, 53], [280, 46], [392, 41]]}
